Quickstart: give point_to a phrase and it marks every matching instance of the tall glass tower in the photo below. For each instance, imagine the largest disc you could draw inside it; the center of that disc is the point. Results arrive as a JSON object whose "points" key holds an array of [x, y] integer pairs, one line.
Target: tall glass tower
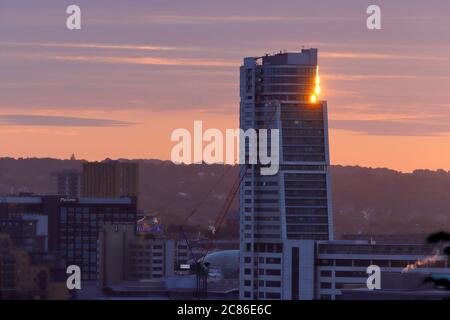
{"points": [[282, 215]]}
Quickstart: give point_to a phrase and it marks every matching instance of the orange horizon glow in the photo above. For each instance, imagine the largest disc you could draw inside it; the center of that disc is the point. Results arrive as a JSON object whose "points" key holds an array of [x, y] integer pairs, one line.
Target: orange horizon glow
{"points": [[150, 139]]}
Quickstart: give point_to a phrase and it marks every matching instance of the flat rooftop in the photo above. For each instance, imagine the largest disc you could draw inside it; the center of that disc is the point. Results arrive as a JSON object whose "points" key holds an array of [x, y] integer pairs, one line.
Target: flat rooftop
{"points": [[305, 57], [37, 199]]}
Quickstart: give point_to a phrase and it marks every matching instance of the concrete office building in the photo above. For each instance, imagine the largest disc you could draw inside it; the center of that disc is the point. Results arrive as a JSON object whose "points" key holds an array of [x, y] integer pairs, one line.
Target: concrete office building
{"points": [[23, 234], [66, 183], [29, 215], [110, 179], [127, 255], [281, 215], [342, 264], [79, 224]]}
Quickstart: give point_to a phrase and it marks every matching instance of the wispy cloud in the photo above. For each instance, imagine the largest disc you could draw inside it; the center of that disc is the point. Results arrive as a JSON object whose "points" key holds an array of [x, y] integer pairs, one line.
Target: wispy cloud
{"points": [[216, 19], [142, 60], [143, 47], [160, 61], [405, 127], [58, 121], [198, 61], [363, 77], [380, 56]]}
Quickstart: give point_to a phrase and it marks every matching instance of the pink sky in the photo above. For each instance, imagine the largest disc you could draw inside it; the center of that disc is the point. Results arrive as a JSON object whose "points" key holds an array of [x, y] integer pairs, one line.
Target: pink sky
{"points": [[118, 87]]}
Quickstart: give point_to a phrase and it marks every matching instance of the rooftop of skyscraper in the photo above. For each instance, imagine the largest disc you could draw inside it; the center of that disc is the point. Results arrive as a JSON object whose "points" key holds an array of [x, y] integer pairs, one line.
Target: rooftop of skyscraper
{"points": [[307, 57]]}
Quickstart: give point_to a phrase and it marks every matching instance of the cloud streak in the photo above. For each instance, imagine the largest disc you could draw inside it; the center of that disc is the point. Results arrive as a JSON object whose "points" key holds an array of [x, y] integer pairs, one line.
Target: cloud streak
{"points": [[160, 61], [144, 47], [58, 121], [380, 56], [126, 60], [199, 19], [407, 127]]}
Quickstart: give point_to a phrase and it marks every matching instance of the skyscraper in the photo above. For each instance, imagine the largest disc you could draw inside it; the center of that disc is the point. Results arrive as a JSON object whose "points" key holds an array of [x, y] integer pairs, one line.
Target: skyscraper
{"points": [[282, 215]]}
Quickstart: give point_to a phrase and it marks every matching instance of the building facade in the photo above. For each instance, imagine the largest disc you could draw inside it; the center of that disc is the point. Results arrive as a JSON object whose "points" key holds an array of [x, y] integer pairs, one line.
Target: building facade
{"points": [[280, 212], [110, 179], [79, 222], [66, 183], [70, 226], [128, 255], [23, 233], [342, 264], [23, 276]]}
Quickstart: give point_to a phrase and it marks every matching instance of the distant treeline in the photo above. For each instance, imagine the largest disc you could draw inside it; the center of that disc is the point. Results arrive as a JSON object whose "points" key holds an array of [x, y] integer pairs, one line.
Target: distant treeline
{"points": [[365, 200]]}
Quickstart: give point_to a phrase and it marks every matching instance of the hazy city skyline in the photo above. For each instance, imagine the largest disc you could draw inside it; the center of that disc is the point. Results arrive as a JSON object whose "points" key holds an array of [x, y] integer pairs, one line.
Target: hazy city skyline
{"points": [[135, 72]]}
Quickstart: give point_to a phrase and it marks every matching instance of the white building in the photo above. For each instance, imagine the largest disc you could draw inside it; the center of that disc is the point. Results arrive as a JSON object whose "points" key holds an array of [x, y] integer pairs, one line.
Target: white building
{"points": [[343, 264]]}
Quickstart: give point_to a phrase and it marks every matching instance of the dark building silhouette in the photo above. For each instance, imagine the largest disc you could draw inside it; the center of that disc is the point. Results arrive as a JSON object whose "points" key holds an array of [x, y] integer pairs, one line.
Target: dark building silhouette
{"points": [[66, 183], [110, 179], [25, 275], [70, 226], [24, 233]]}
